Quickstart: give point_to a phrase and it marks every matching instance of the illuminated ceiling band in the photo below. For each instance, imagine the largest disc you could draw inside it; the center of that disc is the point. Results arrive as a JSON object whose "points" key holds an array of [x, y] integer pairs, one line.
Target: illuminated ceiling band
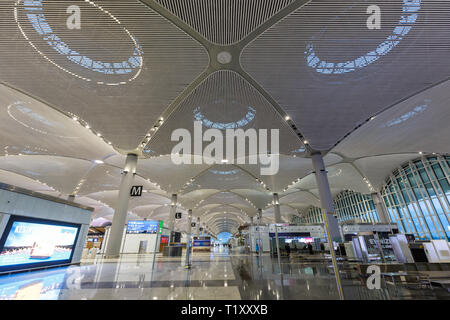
{"points": [[39, 23], [408, 115], [235, 171], [410, 8], [250, 115], [34, 116]]}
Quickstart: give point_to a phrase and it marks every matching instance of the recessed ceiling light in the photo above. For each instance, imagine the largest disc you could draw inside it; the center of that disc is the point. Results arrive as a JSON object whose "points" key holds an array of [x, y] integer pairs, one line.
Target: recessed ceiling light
{"points": [[287, 118], [98, 161], [224, 160]]}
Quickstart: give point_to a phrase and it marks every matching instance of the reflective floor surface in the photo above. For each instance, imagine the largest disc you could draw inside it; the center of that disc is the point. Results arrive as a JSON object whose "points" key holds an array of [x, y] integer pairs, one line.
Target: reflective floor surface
{"points": [[219, 275]]}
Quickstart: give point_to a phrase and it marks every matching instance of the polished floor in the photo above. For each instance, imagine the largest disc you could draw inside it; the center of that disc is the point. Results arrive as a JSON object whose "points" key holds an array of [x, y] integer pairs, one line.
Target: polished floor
{"points": [[218, 275]]}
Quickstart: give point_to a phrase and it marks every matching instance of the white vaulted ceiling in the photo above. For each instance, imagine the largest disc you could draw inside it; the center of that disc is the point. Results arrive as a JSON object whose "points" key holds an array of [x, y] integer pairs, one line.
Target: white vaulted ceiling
{"points": [[76, 101]]}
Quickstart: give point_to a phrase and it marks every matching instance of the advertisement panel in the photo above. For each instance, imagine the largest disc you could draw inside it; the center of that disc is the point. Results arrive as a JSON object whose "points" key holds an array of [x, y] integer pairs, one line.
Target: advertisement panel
{"points": [[29, 243]]}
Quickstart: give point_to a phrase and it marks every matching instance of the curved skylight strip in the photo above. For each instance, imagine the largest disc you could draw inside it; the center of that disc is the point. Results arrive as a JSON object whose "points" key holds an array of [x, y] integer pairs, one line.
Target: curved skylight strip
{"points": [[19, 105], [299, 150], [410, 9], [224, 172], [39, 23], [406, 116], [249, 116]]}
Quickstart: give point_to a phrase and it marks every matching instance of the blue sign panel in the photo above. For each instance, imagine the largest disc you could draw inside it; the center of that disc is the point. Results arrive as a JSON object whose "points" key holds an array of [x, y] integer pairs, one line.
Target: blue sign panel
{"points": [[202, 243], [142, 226]]}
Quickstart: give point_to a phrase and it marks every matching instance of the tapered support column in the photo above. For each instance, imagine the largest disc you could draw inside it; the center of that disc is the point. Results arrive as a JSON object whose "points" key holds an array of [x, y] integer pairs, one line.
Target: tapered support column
{"points": [[330, 221], [381, 208], [251, 221], [198, 227], [326, 198], [188, 240], [277, 212], [259, 217], [173, 210], [120, 214]]}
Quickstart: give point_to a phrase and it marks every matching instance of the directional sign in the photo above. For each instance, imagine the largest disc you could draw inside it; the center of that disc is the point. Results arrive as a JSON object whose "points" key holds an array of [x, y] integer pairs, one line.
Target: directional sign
{"points": [[177, 215], [193, 224]]}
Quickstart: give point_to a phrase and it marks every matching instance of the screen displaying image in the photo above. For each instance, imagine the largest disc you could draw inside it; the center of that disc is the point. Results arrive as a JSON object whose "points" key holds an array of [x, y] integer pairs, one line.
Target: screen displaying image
{"points": [[33, 243], [143, 226]]}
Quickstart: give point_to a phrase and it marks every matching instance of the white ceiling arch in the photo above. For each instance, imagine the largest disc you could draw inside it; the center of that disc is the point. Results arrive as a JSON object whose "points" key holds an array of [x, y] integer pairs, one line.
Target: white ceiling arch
{"points": [[367, 118]]}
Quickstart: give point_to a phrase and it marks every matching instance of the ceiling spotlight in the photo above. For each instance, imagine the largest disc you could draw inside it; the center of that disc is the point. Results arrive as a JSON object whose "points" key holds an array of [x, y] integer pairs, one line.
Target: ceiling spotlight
{"points": [[99, 134], [305, 142], [75, 118], [87, 126], [224, 160], [287, 118], [98, 161]]}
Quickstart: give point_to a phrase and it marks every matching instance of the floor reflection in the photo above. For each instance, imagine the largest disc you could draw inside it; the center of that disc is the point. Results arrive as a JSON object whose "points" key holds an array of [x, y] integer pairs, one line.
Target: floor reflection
{"points": [[220, 274]]}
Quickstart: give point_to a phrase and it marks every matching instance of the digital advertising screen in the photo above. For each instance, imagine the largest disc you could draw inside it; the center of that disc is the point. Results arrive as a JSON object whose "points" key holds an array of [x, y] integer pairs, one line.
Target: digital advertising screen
{"points": [[29, 243], [299, 239], [164, 239], [144, 226]]}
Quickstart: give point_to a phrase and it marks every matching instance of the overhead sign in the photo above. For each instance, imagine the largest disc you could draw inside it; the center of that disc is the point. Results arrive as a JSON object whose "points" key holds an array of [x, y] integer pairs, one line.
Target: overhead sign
{"points": [[143, 226], [177, 215], [193, 224], [136, 191]]}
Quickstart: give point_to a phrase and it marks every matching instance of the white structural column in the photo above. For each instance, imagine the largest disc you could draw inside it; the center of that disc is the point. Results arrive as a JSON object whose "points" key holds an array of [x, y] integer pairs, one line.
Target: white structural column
{"points": [[277, 212], [326, 198], [188, 240], [173, 210], [198, 227], [251, 221], [381, 208], [120, 214], [259, 217], [189, 223]]}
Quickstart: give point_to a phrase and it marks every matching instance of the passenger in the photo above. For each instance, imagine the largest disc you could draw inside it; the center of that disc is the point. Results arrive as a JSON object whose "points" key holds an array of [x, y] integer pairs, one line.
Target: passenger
{"points": [[288, 249]]}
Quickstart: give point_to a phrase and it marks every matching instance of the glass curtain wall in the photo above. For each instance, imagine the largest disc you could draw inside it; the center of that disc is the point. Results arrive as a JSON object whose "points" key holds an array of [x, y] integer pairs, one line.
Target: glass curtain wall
{"points": [[349, 205], [417, 197]]}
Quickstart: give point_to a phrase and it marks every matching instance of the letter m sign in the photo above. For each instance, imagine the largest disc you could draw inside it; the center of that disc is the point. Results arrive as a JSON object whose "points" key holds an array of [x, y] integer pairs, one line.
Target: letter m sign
{"points": [[136, 191]]}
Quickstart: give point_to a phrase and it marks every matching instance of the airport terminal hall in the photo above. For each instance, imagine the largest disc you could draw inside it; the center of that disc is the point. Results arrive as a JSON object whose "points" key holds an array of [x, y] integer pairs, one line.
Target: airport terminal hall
{"points": [[231, 152]]}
